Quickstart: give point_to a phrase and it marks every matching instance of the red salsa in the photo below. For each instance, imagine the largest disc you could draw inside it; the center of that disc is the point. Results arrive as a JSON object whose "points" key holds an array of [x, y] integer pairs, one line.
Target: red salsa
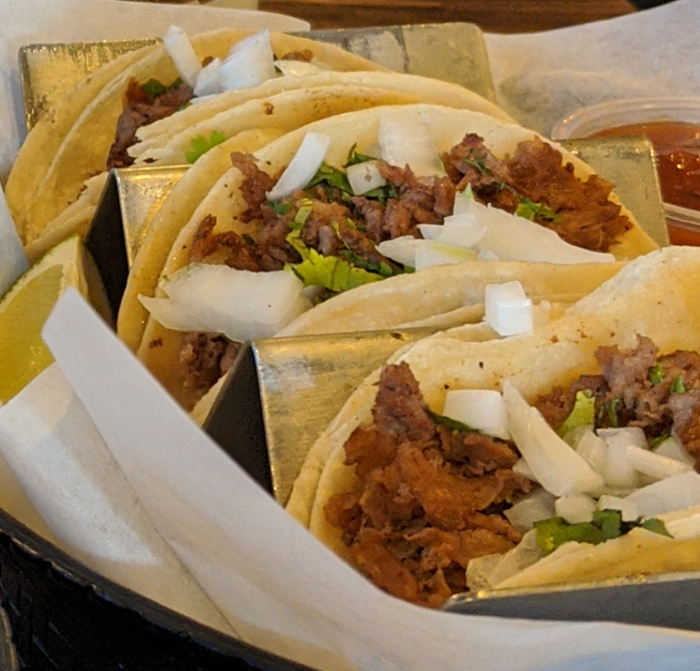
{"points": [[677, 148]]}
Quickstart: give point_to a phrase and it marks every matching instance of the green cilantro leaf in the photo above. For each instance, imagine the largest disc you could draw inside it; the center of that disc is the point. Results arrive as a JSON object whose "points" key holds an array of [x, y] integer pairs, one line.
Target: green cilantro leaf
{"points": [[529, 210], [581, 414], [678, 385], [449, 423], [655, 374], [200, 145], [354, 157]]}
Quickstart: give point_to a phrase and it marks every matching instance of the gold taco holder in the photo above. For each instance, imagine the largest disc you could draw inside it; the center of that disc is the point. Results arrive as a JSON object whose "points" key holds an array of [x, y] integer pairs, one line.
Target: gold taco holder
{"points": [[281, 393], [453, 52]]}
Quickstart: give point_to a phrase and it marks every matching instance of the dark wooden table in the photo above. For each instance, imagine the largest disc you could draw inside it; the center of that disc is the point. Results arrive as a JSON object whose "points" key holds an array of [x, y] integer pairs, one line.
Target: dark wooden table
{"points": [[500, 16]]}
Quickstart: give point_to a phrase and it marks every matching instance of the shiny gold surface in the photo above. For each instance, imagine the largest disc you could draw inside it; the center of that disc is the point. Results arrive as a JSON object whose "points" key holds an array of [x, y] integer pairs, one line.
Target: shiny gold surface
{"points": [[141, 193], [304, 382], [452, 52], [629, 164], [47, 71]]}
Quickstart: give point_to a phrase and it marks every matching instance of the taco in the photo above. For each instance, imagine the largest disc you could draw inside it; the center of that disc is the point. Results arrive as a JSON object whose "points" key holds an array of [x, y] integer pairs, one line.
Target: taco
{"points": [[49, 176], [427, 505], [333, 238]]}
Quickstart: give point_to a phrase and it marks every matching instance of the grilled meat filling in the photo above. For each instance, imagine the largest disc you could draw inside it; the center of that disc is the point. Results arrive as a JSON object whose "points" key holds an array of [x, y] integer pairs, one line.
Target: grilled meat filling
{"points": [[427, 500]]}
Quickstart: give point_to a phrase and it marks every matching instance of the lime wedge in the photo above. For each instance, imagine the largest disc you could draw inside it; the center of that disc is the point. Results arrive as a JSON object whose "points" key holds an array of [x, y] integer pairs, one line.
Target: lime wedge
{"points": [[27, 304]]}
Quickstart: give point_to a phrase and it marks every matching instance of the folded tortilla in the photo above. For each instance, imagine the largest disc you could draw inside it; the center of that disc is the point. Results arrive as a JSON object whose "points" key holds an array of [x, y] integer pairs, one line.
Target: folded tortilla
{"points": [[406, 299], [652, 296]]}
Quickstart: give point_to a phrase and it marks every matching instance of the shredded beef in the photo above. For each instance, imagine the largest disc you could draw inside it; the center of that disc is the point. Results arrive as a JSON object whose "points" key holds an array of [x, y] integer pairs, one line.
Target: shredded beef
{"points": [[424, 501], [660, 394], [139, 110], [204, 358]]}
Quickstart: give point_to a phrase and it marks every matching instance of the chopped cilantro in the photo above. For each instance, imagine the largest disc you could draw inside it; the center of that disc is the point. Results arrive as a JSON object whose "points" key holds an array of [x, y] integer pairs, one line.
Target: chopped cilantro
{"points": [[655, 374], [581, 414], [609, 409], [529, 210], [305, 209], [355, 157], [678, 386], [280, 208], [449, 423], [479, 164], [154, 88], [200, 145], [327, 176], [605, 525], [247, 239], [330, 272], [655, 525]]}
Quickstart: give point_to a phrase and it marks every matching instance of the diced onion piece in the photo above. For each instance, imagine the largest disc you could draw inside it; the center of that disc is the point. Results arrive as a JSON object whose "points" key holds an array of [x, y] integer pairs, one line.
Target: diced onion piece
{"points": [[401, 249], [655, 465], [487, 572], [535, 506], [207, 82], [405, 142], [574, 436], [482, 409], [364, 177], [673, 449], [521, 468], [617, 470], [430, 231], [575, 508], [674, 493], [514, 238], [249, 62], [593, 449], [628, 509], [487, 255], [508, 311], [558, 468], [238, 303], [463, 200], [682, 524], [295, 68], [179, 48], [433, 253], [464, 230], [303, 166]]}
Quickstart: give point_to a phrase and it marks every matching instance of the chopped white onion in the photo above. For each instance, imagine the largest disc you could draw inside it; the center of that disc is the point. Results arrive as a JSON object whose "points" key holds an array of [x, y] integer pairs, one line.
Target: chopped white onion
{"points": [[430, 231], [463, 230], [508, 311], [521, 468], [208, 82], [617, 469], [682, 524], [405, 142], [556, 466], [575, 508], [593, 449], [535, 506], [674, 493], [303, 165], [179, 48], [673, 449], [295, 68], [628, 509], [514, 238], [238, 303], [249, 62], [463, 200], [433, 253], [575, 435], [364, 177], [654, 465], [419, 254], [482, 409]]}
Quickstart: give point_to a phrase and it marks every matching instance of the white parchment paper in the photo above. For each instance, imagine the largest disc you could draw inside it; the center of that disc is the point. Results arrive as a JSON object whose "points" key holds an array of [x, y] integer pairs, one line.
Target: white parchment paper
{"points": [[542, 77], [232, 534]]}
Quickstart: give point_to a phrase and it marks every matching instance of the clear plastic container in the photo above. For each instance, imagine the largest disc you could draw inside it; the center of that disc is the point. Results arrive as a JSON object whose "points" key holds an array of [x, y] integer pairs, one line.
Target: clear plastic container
{"points": [[683, 222]]}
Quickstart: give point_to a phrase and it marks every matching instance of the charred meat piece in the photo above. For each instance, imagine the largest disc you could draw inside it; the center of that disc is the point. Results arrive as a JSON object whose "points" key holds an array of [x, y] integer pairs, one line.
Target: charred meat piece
{"points": [[426, 499]]}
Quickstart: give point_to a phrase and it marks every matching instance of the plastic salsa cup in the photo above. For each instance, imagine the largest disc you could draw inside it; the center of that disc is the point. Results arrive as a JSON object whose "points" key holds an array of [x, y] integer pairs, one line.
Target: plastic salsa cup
{"points": [[672, 125]]}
